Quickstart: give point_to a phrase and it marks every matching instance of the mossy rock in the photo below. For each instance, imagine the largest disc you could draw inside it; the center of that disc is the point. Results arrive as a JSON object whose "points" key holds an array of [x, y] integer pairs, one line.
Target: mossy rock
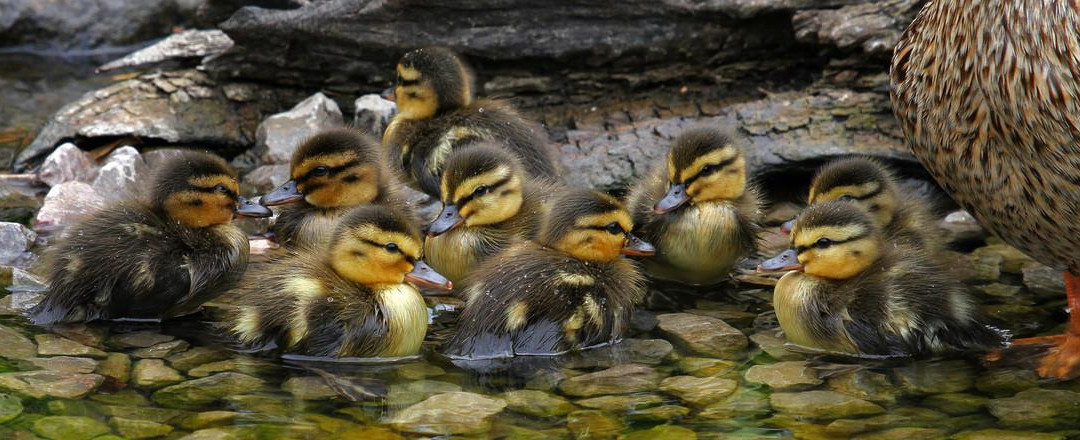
{"points": [[69, 428]]}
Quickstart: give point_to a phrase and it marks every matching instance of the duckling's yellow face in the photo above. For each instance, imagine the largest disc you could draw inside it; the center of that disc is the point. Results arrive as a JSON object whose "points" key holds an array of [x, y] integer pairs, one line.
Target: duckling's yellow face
{"points": [[488, 198], [874, 196], [374, 257], [204, 201], [835, 251], [598, 237], [415, 96], [336, 180], [719, 174]]}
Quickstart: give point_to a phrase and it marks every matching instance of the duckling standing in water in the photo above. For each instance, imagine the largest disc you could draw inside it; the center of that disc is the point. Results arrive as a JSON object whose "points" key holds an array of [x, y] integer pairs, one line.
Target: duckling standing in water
{"points": [[901, 218], [707, 219], [569, 289], [154, 259], [350, 298], [438, 112], [851, 292], [331, 172], [489, 203]]}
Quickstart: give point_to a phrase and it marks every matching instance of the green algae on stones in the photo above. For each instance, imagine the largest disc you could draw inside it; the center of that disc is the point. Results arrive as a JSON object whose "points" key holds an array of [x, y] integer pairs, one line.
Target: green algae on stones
{"points": [[162, 350], [537, 403], [139, 429], [706, 367], [1038, 409], [822, 405], [1002, 434], [743, 402], [865, 384], [66, 364], [308, 388], [956, 403], [69, 428], [621, 379], [591, 424], [13, 345], [208, 419], [153, 374], [122, 398], [1003, 383], [698, 391], [195, 357], [199, 392], [10, 407], [39, 384], [661, 432], [657, 414], [934, 377], [620, 403], [418, 371], [116, 366], [139, 339], [895, 418]]}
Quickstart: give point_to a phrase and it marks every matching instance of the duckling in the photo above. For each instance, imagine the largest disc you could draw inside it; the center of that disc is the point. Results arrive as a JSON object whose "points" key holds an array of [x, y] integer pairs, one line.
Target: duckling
{"points": [[157, 258], [331, 172], [901, 218], [708, 217], [489, 203], [569, 289], [438, 112], [351, 297], [851, 291]]}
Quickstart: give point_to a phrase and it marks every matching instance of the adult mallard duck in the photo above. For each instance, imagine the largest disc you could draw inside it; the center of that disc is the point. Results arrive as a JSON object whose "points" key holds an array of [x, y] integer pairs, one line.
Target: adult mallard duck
{"points": [[986, 92]]}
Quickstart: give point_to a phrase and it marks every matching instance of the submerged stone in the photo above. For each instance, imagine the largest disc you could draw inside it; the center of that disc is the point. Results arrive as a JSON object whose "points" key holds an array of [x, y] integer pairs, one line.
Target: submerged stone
{"points": [[148, 413], [413, 392], [139, 339], [956, 403], [537, 403], [66, 364], [899, 417], [621, 403], [39, 384], [701, 334], [592, 424], [448, 414], [906, 433], [1038, 409], [68, 428], [698, 391], [822, 405], [661, 432], [705, 367], [743, 402], [308, 388], [774, 346], [196, 393], [1001, 383], [116, 366], [13, 345], [10, 407], [418, 371], [1002, 434], [208, 419], [139, 429], [122, 398], [195, 357], [784, 376], [657, 414], [865, 384], [620, 379], [924, 378], [153, 374], [54, 345], [162, 350]]}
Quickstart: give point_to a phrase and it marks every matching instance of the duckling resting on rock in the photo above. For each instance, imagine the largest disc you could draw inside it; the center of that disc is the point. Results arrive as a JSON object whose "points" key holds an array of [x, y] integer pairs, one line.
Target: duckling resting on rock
{"points": [[331, 172], [153, 259], [489, 203], [569, 289], [437, 113], [707, 219], [851, 292], [901, 218], [350, 298]]}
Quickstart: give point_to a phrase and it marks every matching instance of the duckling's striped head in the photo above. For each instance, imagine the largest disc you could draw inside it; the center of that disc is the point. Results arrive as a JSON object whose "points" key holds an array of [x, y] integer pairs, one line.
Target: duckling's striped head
{"points": [[378, 246], [835, 240], [336, 168], [431, 80], [199, 190], [704, 164], [591, 226], [481, 185], [860, 180]]}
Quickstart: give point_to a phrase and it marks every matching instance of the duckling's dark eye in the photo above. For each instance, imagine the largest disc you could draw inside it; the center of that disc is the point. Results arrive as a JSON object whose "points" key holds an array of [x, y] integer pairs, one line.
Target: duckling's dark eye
{"points": [[221, 189], [320, 171], [709, 169], [392, 247], [823, 243], [481, 190], [614, 228], [846, 198]]}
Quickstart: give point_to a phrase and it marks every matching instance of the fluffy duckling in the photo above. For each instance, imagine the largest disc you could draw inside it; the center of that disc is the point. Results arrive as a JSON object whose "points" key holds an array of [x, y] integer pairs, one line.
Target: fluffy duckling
{"points": [[153, 259], [699, 210], [350, 298], [567, 290], [901, 218], [331, 172], [438, 112], [851, 292], [489, 203]]}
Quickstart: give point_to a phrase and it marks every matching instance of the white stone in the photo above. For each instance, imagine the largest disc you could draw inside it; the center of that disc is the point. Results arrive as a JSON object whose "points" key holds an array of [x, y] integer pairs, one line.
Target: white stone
{"points": [[116, 180], [67, 163], [15, 239], [278, 136], [373, 114], [66, 204]]}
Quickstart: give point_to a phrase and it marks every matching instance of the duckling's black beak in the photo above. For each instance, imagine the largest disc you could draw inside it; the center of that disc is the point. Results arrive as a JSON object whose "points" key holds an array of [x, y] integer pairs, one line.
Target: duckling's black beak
{"points": [[286, 193], [448, 219], [637, 247], [247, 208], [423, 275], [388, 94], [786, 261], [787, 226], [675, 197]]}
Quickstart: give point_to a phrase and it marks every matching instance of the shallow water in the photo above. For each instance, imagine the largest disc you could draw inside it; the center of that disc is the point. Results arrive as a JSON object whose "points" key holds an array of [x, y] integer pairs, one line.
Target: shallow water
{"points": [[188, 381]]}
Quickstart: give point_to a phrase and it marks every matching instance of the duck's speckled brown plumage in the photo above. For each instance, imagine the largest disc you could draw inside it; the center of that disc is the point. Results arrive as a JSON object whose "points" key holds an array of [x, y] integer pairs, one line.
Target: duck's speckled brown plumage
{"points": [[987, 94]]}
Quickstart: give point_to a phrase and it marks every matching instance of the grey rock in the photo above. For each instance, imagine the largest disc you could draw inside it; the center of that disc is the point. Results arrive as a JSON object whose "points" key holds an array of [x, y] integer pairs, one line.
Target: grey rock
{"points": [[153, 374], [67, 164], [698, 391], [184, 45], [701, 334], [116, 180], [822, 405], [774, 346], [139, 339], [449, 414], [784, 376], [66, 364], [39, 384], [1038, 409], [15, 240], [373, 114], [199, 392], [17, 206], [53, 345], [81, 24], [961, 226], [1044, 281], [620, 379], [278, 136], [873, 27], [13, 345], [67, 204], [267, 177]]}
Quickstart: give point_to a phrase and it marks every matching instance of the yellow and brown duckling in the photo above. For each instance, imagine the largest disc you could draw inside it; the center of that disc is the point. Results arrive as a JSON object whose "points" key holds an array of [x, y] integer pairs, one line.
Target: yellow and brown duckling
{"points": [[900, 217], [569, 289], [489, 203], [698, 210], [157, 258], [850, 291], [353, 297], [986, 93], [331, 173], [438, 112]]}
